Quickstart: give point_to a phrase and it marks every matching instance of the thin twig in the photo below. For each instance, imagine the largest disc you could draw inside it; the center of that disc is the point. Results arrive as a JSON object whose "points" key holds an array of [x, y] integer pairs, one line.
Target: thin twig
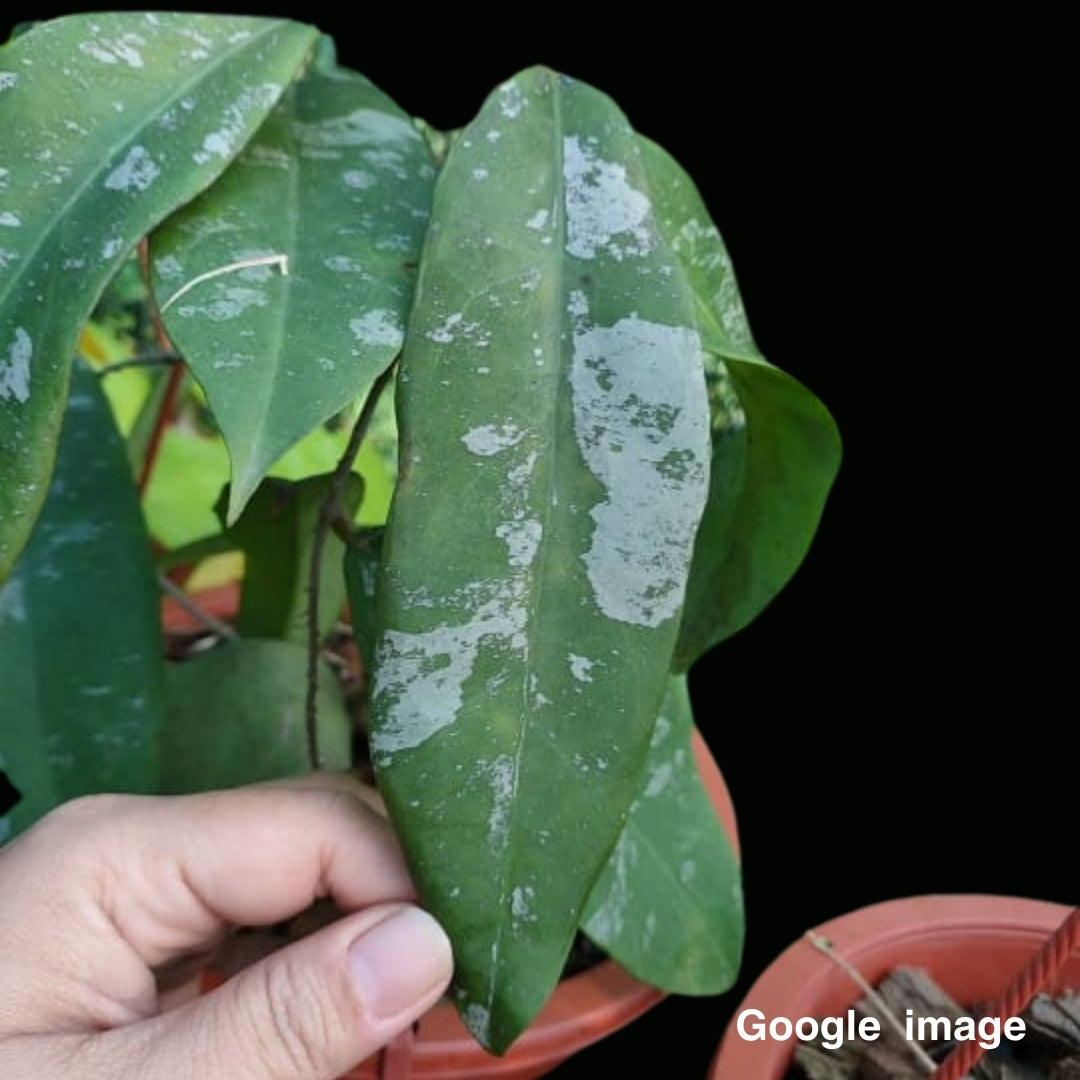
{"points": [[330, 510], [925, 1061], [175, 377], [280, 261], [157, 436], [159, 359], [193, 609]]}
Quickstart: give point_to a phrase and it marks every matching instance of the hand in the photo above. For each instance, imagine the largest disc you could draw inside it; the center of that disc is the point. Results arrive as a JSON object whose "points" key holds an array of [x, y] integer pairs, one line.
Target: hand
{"points": [[106, 889]]}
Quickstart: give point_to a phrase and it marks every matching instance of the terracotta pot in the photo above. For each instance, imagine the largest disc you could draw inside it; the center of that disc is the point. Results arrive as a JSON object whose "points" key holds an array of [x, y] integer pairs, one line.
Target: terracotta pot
{"points": [[972, 946], [222, 601]]}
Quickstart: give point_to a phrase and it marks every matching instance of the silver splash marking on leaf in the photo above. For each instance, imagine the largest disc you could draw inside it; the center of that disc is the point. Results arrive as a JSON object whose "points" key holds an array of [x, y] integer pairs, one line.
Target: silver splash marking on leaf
{"points": [[423, 674], [378, 327], [138, 170], [490, 439], [15, 370], [636, 436], [221, 143], [604, 214]]}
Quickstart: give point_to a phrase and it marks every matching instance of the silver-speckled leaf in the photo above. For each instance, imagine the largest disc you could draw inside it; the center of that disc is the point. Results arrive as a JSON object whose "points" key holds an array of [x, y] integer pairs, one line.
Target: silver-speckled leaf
{"points": [[337, 183], [776, 450], [108, 122], [668, 906], [80, 638], [554, 465]]}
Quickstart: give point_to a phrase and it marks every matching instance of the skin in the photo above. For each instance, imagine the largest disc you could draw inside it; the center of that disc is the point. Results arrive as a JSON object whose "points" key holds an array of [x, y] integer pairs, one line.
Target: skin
{"points": [[105, 892]]}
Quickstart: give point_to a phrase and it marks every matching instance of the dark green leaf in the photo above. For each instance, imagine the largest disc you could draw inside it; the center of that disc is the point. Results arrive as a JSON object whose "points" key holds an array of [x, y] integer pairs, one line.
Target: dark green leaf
{"points": [[553, 470], [108, 122], [685, 221], [668, 906], [362, 558], [235, 715], [775, 457], [276, 532], [776, 449], [80, 643], [337, 183]]}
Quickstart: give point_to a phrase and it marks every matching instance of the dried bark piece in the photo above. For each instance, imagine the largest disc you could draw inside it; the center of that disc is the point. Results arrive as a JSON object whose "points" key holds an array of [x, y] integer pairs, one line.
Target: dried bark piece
{"points": [[821, 1064], [1053, 1023], [912, 988], [1066, 1069], [882, 1062]]}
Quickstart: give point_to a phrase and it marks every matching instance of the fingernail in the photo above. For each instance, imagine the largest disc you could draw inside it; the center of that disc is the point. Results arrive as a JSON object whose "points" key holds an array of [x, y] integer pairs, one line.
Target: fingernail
{"points": [[399, 961]]}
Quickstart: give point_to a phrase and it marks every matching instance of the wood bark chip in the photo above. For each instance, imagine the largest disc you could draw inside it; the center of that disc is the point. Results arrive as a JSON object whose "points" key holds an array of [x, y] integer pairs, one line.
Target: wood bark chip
{"points": [[1049, 1051]]}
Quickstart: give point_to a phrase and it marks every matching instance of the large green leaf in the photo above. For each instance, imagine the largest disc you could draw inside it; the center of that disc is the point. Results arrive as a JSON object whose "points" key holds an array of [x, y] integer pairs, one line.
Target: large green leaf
{"points": [[235, 715], [776, 450], [80, 643], [668, 905], [108, 122], [338, 181], [685, 222], [775, 456], [189, 473], [554, 458], [276, 532]]}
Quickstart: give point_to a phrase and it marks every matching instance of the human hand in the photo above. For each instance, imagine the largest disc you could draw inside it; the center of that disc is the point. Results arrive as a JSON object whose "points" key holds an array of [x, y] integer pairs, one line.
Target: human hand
{"points": [[105, 890]]}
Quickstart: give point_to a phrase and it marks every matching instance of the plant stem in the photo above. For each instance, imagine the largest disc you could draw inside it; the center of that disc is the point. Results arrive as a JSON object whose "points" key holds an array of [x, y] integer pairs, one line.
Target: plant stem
{"points": [[176, 375], [161, 359], [330, 511]]}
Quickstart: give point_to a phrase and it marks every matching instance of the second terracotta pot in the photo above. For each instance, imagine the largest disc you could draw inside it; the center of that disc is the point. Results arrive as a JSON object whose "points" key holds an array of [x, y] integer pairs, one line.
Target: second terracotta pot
{"points": [[972, 946]]}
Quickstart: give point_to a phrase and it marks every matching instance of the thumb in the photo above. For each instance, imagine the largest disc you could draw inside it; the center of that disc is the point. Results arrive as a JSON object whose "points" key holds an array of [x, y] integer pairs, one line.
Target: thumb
{"points": [[310, 1011]]}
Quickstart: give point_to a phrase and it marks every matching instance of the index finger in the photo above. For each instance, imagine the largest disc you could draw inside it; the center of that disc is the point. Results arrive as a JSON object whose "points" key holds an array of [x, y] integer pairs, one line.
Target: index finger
{"points": [[170, 872]]}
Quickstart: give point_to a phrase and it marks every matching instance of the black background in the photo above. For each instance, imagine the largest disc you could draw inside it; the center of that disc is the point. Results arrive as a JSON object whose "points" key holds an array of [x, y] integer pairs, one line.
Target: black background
{"points": [[901, 720]]}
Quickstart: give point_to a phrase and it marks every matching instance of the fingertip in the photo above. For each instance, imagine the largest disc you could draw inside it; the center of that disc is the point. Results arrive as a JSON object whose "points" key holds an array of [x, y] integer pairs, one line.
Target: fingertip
{"points": [[400, 966]]}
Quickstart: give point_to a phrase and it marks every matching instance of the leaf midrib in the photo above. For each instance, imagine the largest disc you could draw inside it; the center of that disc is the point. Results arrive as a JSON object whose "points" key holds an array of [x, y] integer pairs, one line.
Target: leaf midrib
{"points": [[256, 453], [557, 256]]}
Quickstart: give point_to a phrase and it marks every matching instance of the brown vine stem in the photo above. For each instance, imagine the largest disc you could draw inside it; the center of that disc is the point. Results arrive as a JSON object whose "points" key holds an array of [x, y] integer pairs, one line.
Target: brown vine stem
{"points": [[176, 373], [823, 944], [161, 359], [331, 510]]}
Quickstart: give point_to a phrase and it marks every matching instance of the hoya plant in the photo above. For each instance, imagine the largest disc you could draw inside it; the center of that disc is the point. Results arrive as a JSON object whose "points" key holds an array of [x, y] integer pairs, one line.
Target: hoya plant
{"points": [[529, 329]]}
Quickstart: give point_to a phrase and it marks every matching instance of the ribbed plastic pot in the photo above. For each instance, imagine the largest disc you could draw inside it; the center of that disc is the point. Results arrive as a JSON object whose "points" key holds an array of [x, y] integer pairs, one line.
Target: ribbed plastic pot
{"points": [[971, 945]]}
